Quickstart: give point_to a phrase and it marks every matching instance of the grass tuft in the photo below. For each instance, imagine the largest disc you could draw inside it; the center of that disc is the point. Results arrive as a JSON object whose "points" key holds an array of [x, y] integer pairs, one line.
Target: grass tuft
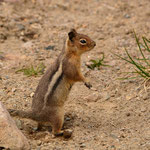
{"points": [[141, 65], [33, 71], [97, 63]]}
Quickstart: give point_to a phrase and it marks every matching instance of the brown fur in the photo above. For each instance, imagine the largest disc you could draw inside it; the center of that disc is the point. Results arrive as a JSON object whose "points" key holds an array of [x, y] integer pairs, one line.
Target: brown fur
{"points": [[54, 86]]}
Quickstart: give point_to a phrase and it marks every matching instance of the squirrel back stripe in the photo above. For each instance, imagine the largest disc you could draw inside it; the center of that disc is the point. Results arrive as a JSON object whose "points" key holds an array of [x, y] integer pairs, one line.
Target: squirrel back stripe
{"points": [[54, 82], [55, 85]]}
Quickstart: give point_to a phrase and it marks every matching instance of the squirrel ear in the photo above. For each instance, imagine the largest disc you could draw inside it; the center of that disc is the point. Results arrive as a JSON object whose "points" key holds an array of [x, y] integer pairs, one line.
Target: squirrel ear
{"points": [[72, 34]]}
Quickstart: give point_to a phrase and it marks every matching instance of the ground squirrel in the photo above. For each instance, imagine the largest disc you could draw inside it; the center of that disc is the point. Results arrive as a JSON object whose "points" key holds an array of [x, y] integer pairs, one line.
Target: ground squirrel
{"points": [[56, 83]]}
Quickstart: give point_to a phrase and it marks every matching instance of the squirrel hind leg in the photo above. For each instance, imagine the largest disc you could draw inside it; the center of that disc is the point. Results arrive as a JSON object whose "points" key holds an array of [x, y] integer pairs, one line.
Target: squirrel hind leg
{"points": [[57, 125]]}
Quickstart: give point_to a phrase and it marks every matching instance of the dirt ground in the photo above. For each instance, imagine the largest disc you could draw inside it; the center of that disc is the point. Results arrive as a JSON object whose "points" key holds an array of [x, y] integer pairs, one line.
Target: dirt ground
{"points": [[114, 114]]}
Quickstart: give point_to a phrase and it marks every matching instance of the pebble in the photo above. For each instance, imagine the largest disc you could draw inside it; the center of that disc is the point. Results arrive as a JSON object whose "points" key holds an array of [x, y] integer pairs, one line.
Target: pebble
{"points": [[67, 133], [33, 21], [82, 145], [92, 97], [32, 94], [39, 142], [145, 96], [35, 129], [19, 124], [94, 89], [47, 139], [67, 118], [117, 68], [50, 47], [106, 96], [114, 136], [129, 97], [3, 37], [20, 27], [28, 44], [7, 77], [113, 147], [128, 114], [127, 16], [13, 90]]}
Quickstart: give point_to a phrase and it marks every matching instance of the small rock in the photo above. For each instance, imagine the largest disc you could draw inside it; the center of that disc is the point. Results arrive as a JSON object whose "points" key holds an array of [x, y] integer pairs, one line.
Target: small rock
{"points": [[46, 139], [39, 142], [67, 118], [50, 47], [20, 27], [114, 136], [82, 145], [127, 16], [35, 129], [32, 94], [67, 133], [33, 21], [13, 90], [130, 96], [113, 146], [106, 96], [92, 97], [94, 89], [28, 44], [24, 39], [3, 37], [117, 68], [145, 96], [10, 136], [19, 124], [7, 77], [128, 114]]}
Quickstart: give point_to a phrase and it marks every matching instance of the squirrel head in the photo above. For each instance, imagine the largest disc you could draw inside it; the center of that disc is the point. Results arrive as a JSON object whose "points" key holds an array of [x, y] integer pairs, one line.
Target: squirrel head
{"points": [[79, 43]]}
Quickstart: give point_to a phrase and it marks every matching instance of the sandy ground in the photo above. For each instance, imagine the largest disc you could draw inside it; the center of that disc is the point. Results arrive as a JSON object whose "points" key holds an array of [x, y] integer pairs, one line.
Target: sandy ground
{"points": [[114, 114]]}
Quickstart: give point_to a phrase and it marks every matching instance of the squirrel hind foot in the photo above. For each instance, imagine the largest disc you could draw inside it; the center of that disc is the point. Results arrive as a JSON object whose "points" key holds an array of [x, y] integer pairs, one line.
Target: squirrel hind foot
{"points": [[58, 134]]}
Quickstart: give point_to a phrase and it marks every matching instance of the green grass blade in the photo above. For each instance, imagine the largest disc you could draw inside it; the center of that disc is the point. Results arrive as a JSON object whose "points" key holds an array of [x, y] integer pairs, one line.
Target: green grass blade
{"points": [[142, 75], [147, 48], [136, 64], [93, 61], [102, 57], [129, 61], [142, 59], [130, 72], [123, 58], [128, 78], [138, 43], [147, 40]]}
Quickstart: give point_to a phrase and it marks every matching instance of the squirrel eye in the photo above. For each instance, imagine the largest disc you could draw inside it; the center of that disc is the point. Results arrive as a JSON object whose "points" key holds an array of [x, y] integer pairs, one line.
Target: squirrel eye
{"points": [[83, 41]]}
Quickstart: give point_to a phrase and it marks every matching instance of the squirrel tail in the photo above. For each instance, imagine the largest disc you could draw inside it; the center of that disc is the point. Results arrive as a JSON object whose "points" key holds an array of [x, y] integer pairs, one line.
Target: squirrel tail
{"points": [[21, 113]]}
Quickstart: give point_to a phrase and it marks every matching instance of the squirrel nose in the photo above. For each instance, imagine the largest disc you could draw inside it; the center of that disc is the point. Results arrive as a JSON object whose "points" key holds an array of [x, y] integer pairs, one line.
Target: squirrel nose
{"points": [[94, 43]]}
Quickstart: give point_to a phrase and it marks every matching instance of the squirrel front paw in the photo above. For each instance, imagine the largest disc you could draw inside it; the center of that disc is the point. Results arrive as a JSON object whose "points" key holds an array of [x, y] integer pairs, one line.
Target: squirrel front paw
{"points": [[88, 84]]}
